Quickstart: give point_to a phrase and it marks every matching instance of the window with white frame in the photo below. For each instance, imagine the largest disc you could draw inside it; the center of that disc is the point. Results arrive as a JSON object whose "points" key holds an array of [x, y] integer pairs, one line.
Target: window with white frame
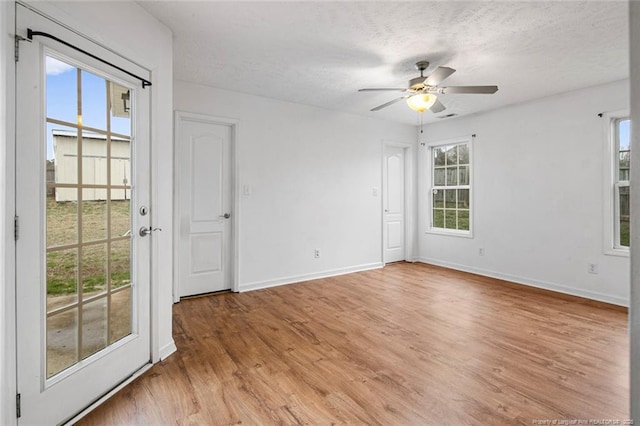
{"points": [[450, 200], [620, 190]]}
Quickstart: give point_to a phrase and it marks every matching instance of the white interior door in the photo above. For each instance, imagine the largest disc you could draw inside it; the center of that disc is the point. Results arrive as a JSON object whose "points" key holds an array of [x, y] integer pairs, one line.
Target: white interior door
{"points": [[394, 204], [83, 302], [204, 207]]}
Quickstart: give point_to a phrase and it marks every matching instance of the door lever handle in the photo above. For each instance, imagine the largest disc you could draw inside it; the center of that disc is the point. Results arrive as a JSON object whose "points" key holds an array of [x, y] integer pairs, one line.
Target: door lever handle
{"points": [[144, 231], [225, 216]]}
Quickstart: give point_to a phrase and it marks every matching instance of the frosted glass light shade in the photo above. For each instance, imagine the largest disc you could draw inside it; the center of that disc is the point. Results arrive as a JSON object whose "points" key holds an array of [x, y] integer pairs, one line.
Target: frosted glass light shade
{"points": [[421, 102]]}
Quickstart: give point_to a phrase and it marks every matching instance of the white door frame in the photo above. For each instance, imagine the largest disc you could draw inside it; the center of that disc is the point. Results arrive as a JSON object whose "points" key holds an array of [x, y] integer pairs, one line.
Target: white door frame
{"points": [[8, 365], [235, 193], [409, 198]]}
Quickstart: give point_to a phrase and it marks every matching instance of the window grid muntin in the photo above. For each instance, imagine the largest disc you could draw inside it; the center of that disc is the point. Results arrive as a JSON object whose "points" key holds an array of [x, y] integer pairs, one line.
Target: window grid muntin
{"points": [[452, 154], [79, 186]]}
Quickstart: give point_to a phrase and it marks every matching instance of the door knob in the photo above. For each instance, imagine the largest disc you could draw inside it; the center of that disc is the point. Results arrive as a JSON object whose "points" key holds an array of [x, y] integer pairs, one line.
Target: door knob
{"points": [[225, 216], [144, 231]]}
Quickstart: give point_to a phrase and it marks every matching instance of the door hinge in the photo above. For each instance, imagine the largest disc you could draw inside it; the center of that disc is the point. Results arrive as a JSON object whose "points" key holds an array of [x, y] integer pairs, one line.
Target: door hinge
{"points": [[18, 411], [17, 48], [16, 228], [18, 38]]}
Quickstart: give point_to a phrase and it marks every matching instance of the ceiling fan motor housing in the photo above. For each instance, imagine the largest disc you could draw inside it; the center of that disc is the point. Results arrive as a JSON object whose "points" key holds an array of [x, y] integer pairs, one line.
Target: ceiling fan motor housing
{"points": [[416, 83]]}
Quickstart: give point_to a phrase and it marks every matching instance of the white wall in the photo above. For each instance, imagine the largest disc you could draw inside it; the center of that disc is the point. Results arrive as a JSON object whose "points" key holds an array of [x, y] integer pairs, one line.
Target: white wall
{"points": [[128, 29], [538, 195], [634, 319], [311, 173]]}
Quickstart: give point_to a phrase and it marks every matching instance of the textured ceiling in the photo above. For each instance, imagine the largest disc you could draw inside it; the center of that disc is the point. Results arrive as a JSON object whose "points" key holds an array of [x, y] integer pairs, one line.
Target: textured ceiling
{"points": [[321, 53]]}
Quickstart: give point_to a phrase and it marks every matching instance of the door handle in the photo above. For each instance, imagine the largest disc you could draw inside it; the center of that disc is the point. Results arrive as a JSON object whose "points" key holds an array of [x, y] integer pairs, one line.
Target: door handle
{"points": [[144, 231], [225, 216]]}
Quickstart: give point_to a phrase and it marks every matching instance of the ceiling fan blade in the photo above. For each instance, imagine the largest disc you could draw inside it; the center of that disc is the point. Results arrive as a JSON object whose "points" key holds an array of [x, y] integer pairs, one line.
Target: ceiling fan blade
{"points": [[438, 75], [389, 103], [437, 107], [470, 89], [383, 89]]}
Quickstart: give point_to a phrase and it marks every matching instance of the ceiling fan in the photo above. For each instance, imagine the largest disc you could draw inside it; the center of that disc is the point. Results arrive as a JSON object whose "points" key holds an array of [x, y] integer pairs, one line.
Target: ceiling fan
{"points": [[422, 91]]}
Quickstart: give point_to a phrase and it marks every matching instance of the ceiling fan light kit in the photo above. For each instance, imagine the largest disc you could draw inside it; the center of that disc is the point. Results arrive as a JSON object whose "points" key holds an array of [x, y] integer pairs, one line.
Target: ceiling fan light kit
{"points": [[421, 96], [421, 102]]}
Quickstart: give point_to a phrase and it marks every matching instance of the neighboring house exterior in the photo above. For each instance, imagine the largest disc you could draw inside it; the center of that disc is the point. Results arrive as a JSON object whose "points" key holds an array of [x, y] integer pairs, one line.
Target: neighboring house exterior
{"points": [[94, 166]]}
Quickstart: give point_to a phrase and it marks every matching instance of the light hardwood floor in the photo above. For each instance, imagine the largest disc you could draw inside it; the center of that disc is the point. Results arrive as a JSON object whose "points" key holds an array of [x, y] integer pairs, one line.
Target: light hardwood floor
{"points": [[410, 344]]}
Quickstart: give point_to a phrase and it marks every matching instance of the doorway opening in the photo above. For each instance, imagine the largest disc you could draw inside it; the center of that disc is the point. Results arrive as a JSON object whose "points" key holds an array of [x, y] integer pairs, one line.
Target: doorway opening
{"points": [[206, 205], [82, 162]]}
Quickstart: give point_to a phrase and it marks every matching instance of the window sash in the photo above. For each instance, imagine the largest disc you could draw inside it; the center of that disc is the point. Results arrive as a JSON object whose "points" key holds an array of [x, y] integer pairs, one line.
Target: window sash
{"points": [[618, 182], [617, 225], [466, 212]]}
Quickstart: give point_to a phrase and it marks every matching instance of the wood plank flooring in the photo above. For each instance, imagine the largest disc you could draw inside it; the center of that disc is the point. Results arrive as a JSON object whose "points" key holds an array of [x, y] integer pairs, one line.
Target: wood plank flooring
{"points": [[410, 344]]}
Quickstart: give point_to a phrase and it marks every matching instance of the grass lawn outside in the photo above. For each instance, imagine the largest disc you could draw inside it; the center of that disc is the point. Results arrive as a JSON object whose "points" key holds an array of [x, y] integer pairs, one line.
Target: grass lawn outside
{"points": [[62, 229], [624, 232]]}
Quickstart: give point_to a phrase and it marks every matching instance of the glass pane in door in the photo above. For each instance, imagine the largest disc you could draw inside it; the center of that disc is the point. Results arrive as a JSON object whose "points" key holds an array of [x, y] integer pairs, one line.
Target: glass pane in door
{"points": [[88, 214]]}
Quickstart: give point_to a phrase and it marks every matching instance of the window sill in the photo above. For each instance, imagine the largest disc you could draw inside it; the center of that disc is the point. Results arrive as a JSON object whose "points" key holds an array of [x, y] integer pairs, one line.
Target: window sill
{"points": [[618, 252], [450, 233]]}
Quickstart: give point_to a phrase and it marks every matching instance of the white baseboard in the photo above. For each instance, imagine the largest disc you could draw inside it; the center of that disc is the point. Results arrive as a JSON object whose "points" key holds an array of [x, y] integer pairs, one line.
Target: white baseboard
{"points": [[306, 277], [530, 282], [167, 350]]}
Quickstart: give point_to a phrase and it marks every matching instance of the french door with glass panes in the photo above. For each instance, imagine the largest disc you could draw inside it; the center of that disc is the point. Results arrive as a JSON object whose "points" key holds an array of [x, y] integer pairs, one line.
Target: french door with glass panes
{"points": [[82, 268]]}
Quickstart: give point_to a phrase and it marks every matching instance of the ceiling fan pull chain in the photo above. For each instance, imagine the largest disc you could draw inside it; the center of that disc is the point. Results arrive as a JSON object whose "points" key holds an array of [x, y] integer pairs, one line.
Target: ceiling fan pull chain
{"points": [[421, 129]]}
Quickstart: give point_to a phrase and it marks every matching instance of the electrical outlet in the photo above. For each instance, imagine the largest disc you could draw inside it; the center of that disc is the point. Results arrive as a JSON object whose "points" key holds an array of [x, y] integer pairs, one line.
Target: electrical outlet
{"points": [[316, 253], [592, 268], [481, 252]]}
